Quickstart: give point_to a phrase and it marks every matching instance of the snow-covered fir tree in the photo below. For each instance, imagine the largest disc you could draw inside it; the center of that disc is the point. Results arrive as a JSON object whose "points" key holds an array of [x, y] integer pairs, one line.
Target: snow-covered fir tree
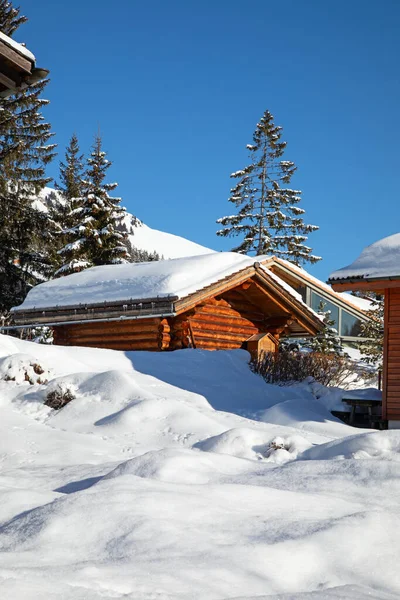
{"points": [[66, 211], [372, 347], [96, 240], [10, 18], [27, 237], [71, 185], [268, 217], [328, 340]]}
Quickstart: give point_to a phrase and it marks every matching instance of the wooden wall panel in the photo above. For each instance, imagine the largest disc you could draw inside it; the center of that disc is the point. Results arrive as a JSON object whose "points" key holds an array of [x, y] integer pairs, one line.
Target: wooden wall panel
{"points": [[391, 378], [219, 323], [141, 334], [216, 325]]}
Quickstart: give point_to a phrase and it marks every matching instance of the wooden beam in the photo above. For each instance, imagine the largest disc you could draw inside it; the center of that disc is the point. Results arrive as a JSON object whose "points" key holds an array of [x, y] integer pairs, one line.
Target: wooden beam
{"points": [[215, 289], [17, 60], [10, 84]]}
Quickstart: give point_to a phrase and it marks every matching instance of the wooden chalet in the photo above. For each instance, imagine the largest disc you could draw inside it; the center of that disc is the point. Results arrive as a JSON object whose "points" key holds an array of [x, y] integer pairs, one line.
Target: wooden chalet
{"points": [[346, 311], [378, 269], [17, 67], [216, 301]]}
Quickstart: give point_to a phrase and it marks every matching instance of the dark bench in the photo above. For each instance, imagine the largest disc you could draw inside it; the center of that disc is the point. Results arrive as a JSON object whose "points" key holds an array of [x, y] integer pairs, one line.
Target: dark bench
{"points": [[374, 417]]}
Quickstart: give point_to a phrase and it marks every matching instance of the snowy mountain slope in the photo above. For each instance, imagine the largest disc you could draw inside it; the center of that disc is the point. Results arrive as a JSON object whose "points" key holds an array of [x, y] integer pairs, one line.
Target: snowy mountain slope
{"points": [[152, 485], [141, 236], [165, 244]]}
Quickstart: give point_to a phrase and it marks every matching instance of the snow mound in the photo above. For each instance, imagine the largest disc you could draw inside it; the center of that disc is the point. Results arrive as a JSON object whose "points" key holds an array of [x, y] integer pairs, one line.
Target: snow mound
{"points": [[379, 444], [149, 486], [254, 445], [178, 466], [305, 413], [342, 592], [379, 260], [23, 368]]}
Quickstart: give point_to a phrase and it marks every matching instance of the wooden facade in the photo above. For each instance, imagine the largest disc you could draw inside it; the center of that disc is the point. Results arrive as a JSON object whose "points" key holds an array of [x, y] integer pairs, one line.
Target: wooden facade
{"points": [[390, 288], [221, 316], [17, 68]]}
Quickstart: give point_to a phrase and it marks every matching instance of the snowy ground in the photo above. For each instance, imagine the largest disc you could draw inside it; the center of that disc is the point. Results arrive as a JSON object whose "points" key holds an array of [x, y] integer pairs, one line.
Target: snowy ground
{"points": [[184, 476]]}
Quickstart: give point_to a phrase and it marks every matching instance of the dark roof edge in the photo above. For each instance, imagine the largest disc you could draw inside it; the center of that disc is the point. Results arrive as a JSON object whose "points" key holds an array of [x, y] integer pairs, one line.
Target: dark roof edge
{"points": [[357, 279], [87, 306]]}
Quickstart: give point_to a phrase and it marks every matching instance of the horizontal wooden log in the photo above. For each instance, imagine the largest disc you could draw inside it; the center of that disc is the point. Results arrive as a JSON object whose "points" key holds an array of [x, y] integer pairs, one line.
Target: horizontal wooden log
{"points": [[115, 338], [222, 319], [218, 336], [203, 342], [120, 345], [227, 327], [102, 328]]}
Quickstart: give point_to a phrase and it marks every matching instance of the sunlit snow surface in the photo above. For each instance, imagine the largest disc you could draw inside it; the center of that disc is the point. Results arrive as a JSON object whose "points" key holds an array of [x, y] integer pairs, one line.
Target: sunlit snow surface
{"points": [[379, 260], [184, 476]]}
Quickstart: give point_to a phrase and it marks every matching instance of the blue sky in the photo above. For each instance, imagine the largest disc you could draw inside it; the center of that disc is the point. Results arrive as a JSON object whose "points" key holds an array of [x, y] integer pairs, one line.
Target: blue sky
{"points": [[177, 87]]}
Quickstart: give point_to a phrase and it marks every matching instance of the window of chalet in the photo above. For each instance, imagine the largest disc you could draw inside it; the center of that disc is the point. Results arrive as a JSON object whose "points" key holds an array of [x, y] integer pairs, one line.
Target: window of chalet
{"points": [[302, 290], [350, 326], [316, 299]]}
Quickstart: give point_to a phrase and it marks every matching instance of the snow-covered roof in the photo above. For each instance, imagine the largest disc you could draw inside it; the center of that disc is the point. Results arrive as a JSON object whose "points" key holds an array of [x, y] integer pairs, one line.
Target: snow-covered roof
{"points": [[359, 303], [138, 281], [17, 47], [380, 260]]}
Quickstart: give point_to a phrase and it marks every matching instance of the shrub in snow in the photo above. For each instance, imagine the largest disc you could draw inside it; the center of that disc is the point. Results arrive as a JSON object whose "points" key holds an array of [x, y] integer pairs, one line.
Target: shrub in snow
{"points": [[281, 450], [23, 368], [286, 367], [42, 335], [59, 396]]}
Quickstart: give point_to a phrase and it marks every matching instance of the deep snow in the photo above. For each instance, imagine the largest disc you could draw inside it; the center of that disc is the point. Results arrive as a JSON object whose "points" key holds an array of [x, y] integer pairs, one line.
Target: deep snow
{"points": [[379, 260], [155, 483]]}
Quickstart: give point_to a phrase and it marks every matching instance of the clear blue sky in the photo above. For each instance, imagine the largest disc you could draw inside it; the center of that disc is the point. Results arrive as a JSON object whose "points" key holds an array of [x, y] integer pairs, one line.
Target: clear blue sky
{"points": [[177, 88]]}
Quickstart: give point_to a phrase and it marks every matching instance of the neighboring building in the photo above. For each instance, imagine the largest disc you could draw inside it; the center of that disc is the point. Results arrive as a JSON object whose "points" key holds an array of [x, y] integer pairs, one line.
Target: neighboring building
{"points": [[378, 269], [215, 301], [347, 311], [17, 67]]}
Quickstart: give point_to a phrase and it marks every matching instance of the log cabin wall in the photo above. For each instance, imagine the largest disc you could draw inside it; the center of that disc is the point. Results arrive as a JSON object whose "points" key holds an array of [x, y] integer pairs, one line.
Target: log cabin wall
{"points": [[140, 334], [391, 379], [216, 325], [224, 322]]}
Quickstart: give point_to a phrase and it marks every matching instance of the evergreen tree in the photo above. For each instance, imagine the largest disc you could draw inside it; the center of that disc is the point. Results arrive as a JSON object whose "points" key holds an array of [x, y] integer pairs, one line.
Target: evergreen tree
{"points": [[328, 341], [137, 255], [72, 171], [96, 240], [26, 236], [10, 19], [66, 211], [372, 348], [269, 217]]}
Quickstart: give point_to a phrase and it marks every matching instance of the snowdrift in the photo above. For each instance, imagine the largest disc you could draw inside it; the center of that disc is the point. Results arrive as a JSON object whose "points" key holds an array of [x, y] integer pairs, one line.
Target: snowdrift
{"points": [[183, 475]]}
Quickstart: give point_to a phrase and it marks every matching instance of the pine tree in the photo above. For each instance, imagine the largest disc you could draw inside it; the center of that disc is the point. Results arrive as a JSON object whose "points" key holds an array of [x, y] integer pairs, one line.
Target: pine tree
{"points": [[269, 217], [96, 240], [372, 348], [72, 171], [26, 236], [66, 212], [328, 340], [10, 19]]}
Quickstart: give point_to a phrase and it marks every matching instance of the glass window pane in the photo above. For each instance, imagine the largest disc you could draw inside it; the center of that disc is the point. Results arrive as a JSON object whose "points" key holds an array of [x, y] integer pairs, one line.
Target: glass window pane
{"points": [[316, 299], [302, 290], [350, 325]]}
